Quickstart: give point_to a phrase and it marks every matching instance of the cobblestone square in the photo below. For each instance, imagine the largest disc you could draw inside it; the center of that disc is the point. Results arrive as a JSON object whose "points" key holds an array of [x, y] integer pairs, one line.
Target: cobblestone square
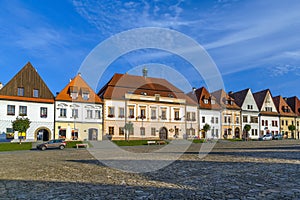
{"points": [[233, 170]]}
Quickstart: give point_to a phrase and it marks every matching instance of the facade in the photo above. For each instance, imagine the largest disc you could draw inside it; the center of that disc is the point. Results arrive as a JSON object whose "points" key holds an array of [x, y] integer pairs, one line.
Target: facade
{"points": [[294, 104], [209, 113], [231, 115], [78, 112], [286, 116], [26, 95], [268, 114], [149, 108], [249, 111]]}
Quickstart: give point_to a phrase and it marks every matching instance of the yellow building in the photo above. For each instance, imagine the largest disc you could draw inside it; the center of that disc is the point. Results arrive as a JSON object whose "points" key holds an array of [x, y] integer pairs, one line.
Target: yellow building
{"points": [[286, 117], [231, 115]]}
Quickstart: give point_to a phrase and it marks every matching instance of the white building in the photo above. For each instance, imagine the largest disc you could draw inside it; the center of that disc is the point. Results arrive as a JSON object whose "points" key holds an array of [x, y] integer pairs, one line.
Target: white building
{"points": [[209, 113], [78, 112], [26, 95], [268, 114], [249, 111]]}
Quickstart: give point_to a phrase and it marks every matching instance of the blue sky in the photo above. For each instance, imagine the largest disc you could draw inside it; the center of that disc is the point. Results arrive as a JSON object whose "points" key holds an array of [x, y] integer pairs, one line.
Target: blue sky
{"points": [[255, 44]]}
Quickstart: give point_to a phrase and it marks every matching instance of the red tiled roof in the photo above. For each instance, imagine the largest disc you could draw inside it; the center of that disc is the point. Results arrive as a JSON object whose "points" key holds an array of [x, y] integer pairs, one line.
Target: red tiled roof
{"points": [[79, 86], [221, 96], [294, 103], [202, 93], [120, 84], [282, 106]]}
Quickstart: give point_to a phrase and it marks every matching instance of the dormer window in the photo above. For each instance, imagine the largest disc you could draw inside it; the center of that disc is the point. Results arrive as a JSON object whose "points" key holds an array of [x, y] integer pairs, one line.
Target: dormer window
{"points": [[35, 93], [205, 101], [85, 93], [226, 102], [21, 91], [73, 92], [213, 101]]}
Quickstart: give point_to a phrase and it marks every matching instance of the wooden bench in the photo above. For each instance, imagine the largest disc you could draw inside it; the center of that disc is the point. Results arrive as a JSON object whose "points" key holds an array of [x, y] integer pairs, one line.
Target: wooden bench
{"points": [[81, 145], [160, 142], [150, 142]]}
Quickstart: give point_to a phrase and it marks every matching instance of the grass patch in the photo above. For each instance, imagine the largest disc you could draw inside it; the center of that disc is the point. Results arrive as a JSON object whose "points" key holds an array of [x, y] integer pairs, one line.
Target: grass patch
{"points": [[6, 146], [198, 141], [132, 142]]}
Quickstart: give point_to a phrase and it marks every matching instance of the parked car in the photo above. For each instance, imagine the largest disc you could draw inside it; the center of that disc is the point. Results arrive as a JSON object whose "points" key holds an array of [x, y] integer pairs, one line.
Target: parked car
{"points": [[278, 137], [52, 144], [266, 137]]}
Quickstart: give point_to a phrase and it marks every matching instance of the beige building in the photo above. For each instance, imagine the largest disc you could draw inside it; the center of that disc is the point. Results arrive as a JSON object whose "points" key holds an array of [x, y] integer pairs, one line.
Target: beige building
{"points": [[149, 108], [294, 104]]}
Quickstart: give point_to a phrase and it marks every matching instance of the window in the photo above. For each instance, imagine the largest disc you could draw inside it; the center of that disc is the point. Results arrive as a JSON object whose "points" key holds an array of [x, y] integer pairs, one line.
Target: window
{"points": [[23, 110], [63, 112], [250, 107], [286, 122], [237, 120], [217, 120], [121, 131], [176, 114], [282, 122], [89, 114], [131, 112], [225, 119], [85, 96], [10, 110], [193, 116], [266, 121], [229, 119], [276, 123], [74, 113], [143, 112], [212, 120], [153, 131], [111, 130], [205, 101], [74, 135], [213, 101], [163, 114], [121, 112], [153, 113], [203, 119], [62, 133], [262, 122], [254, 119], [35, 93], [268, 109], [142, 131], [188, 116], [217, 133], [43, 112], [111, 112], [245, 118], [73, 92], [21, 91], [97, 114]]}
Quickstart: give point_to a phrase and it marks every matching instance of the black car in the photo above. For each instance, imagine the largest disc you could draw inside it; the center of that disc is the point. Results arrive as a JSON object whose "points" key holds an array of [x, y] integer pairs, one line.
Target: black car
{"points": [[52, 144]]}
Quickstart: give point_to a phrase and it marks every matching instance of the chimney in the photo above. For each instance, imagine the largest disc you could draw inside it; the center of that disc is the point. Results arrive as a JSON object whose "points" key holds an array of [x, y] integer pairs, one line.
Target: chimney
{"points": [[194, 90], [1, 85], [79, 73], [145, 72]]}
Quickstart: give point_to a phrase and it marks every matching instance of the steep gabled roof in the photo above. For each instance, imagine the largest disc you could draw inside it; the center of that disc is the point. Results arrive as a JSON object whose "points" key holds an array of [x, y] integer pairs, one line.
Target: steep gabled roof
{"points": [[79, 86], [120, 84], [294, 104], [260, 98], [221, 97], [200, 94], [239, 96], [282, 107], [28, 79]]}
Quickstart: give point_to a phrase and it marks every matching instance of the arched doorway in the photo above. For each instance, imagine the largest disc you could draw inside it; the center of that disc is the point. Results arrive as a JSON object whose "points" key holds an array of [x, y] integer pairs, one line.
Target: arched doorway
{"points": [[163, 133], [93, 134], [237, 132], [42, 134]]}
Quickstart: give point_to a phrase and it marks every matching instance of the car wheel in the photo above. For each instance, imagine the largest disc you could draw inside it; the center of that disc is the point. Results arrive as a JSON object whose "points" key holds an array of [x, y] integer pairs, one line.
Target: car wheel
{"points": [[43, 148], [62, 147]]}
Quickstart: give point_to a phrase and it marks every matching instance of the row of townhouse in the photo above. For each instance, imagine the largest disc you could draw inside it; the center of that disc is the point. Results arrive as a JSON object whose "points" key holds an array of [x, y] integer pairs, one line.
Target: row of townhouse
{"points": [[150, 108]]}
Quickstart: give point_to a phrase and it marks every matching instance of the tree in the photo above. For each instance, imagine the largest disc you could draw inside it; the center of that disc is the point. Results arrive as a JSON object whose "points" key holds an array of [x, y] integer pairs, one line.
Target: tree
{"points": [[128, 128], [21, 125], [292, 128], [206, 128], [247, 128]]}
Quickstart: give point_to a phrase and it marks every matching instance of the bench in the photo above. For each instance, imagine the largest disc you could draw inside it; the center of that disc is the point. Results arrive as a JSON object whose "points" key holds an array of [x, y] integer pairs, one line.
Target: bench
{"points": [[81, 145], [160, 142], [150, 142]]}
